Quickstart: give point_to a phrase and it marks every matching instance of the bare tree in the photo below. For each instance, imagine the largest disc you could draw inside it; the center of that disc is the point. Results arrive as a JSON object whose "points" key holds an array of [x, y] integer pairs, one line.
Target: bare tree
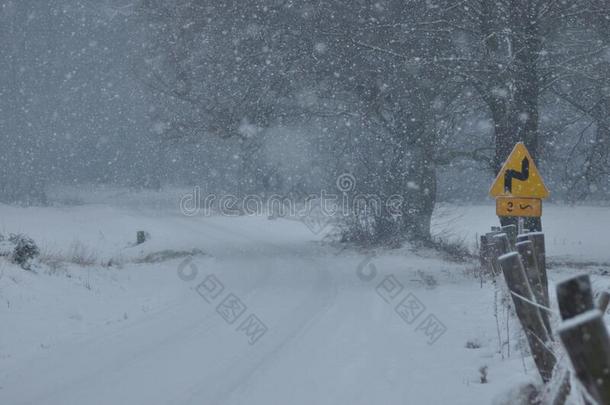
{"points": [[508, 53]]}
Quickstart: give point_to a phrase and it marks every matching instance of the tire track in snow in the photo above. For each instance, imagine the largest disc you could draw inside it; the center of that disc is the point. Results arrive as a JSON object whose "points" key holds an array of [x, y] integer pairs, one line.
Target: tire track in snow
{"points": [[183, 328], [238, 374], [83, 373]]}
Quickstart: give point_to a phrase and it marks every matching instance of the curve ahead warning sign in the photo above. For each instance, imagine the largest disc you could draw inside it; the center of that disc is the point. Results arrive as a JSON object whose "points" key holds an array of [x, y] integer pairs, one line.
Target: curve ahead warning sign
{"points": [[519, 177]]}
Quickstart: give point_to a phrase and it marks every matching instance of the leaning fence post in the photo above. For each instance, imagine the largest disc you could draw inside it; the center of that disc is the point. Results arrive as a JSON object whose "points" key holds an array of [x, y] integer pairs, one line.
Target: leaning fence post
{"points": [[537, 239], [511, 233], [526, 250], [528, 313], [530, 264], [574, 296], [586, 341], [494, 250], [484, 253], [502, 243]]}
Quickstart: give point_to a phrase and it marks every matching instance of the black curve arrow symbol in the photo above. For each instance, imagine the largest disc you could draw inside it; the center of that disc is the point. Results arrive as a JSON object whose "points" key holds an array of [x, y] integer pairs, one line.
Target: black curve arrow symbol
{"points": [[511, 174]]}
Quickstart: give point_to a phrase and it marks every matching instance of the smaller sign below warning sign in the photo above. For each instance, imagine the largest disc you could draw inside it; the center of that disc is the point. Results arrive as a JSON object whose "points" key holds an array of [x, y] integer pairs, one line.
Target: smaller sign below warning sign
{"points": [[518, 207]]}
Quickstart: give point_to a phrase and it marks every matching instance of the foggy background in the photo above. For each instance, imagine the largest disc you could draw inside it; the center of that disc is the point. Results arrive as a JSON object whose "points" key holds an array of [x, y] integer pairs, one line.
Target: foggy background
{"points": [[97, 92]]}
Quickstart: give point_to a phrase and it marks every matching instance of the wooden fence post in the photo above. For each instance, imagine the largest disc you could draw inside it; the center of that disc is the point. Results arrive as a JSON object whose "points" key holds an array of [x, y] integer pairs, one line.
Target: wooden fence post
{"points": [[586, 341], [502, 243], [528, 313], [490, 252], [485, 253], [511, 233], [537, 239], [140, 237], [530, 264], [574, 296]]}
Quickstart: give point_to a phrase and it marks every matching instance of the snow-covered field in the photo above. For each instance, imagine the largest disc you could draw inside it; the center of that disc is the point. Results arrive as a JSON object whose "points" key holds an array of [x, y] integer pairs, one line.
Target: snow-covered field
{"points": [[246, 310], [573, 233]]}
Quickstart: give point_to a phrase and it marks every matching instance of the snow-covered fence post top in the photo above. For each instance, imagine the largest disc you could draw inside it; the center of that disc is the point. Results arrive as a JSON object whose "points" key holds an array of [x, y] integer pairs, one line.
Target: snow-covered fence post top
{"points": [[511, 233], [574, 296], [584, 335], [586, 340]]}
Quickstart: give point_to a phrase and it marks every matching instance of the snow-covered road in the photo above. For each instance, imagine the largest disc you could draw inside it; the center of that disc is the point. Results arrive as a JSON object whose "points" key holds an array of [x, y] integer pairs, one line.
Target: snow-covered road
{"points": [[265, 315]]}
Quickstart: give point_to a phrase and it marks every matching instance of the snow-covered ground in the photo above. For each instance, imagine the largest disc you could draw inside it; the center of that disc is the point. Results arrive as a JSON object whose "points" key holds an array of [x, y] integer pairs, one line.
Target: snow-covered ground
{"points": [[573, 233], [246, 310]]}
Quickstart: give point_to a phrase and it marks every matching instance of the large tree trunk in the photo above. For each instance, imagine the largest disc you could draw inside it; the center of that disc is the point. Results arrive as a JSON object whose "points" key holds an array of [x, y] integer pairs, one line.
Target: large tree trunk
{"points": [[420, 194], [515, 113], [527, 46], [407, 190]]}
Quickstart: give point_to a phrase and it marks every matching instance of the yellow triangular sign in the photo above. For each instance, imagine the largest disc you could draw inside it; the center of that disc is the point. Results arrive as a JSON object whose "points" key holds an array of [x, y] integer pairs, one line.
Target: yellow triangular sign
{"points": [[519, 176]]}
